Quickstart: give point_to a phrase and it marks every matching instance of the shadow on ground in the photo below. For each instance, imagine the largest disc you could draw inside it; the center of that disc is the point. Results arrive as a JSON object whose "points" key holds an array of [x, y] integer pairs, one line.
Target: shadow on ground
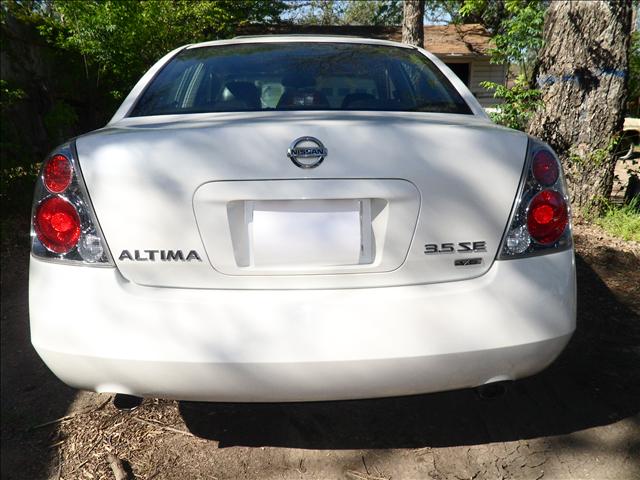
{"points": [[595, 382], [30, 393]]}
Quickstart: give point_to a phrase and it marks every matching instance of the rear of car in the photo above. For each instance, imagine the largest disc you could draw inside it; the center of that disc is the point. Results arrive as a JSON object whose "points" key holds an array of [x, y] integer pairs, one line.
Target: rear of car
{"points": [[293, 219]]}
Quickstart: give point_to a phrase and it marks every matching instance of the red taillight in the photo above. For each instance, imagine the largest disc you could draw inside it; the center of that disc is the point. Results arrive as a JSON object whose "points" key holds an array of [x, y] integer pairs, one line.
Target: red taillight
{"points": [[57, 224], [547, 216], [545, 168], [57, 174]]}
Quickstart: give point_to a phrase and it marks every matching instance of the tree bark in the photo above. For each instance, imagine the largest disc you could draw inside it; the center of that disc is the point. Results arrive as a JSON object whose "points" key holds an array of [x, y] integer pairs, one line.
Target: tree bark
{"points": [[583, 75], [413, 22]]}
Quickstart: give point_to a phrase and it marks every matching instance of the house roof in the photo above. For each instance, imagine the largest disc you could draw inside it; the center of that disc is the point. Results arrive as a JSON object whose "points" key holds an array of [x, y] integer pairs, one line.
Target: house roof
{"points": [[465, 39], [444, 40]]}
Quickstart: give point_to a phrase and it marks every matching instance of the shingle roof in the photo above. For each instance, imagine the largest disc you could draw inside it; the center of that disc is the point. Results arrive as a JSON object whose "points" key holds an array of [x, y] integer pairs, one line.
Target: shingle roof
{"points": [[464, 39]]}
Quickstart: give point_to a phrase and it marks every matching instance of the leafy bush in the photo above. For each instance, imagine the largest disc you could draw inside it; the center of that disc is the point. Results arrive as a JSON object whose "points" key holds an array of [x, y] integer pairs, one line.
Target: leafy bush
{"points": [[123, 38], [518, 33], [517, 40], [522, 36], [519, 103], [60, 120], [9, 94]]}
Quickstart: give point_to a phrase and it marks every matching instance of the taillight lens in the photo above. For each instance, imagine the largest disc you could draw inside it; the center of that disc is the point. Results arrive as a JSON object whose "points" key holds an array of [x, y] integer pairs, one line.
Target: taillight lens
{"points": [[547, 216], [64, 227], [545, 168], [57, 174], [57, 224], [541, 220]]}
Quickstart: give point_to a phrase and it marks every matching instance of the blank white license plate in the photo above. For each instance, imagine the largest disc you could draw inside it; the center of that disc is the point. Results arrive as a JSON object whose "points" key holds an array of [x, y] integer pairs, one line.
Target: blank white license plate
{"points": [[300, 233]]}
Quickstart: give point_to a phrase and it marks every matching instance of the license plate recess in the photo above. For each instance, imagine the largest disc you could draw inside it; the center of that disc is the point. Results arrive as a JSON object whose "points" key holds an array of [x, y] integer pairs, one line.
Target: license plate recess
{"points": [[299, 234]]}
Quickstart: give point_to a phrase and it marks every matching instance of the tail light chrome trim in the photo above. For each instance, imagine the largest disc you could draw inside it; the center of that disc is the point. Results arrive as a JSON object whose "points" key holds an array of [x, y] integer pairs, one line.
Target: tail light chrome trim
{"points": [[91, 248], [517, 242]]}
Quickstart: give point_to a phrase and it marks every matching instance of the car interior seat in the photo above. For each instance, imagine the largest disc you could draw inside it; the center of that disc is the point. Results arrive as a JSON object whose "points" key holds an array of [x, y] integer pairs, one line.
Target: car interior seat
{"points": [[300, 93]]}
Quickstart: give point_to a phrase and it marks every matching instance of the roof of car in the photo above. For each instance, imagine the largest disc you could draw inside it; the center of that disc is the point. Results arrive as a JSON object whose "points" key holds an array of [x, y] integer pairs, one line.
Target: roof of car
{"points": [[299, 38]]}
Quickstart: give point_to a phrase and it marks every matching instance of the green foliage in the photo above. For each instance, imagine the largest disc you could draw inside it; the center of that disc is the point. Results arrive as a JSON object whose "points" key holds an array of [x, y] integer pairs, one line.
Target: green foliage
{"points": [[622, 221], [59, 121], [11, 146], [517, 26], [319, 12], [518, 36], [378, 12], [593, 208], [373, 12], [27, 11], [521, 38], [490, 13], [598, 156], [123, 38], [442, 11], [519, 103], [346, 12], [9, 95], [16, 188], [36, 104]]}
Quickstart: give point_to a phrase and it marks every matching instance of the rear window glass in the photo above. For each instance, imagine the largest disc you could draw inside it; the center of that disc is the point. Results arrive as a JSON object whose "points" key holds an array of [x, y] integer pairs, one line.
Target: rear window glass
{"points": [[299, 76]]}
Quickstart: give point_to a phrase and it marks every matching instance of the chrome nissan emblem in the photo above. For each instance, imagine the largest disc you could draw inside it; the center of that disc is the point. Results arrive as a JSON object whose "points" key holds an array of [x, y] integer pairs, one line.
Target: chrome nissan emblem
{"points": [[307, 152]]}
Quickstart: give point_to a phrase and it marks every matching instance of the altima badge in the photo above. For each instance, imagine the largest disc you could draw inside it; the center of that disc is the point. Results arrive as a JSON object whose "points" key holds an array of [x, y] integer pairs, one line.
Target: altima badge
{"points": [[164, 255], [307, 152]]}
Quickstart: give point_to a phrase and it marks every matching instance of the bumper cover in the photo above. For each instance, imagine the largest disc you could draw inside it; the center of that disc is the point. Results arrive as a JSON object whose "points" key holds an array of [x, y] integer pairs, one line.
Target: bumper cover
{"points": [[97, 331]]}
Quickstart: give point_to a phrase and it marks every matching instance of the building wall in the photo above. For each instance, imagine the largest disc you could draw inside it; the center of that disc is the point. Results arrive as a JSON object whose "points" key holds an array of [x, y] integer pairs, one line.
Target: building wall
{"points": [[481, 70]]}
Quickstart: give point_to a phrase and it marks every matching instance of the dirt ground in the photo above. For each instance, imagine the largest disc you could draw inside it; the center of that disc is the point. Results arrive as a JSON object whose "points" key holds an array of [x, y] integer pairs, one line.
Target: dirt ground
{"points": [[577, 420]]}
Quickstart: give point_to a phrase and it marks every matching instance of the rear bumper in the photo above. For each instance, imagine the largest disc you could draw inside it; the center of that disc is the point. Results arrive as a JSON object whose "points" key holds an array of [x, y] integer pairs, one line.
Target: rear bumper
{"points": [[99, 332]]}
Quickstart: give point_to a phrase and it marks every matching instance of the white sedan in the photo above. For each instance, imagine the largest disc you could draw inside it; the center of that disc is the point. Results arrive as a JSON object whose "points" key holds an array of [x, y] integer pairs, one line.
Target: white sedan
{"points": [[300, 218]]}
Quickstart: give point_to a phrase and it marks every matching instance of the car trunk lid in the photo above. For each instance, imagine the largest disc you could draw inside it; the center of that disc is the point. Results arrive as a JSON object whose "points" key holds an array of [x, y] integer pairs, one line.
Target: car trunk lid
{"points": [[212, 201]]}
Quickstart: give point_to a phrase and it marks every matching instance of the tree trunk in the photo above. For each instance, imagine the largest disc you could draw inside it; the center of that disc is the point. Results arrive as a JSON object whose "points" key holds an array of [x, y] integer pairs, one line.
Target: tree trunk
{"points": [[583, 76], [412, 22]]}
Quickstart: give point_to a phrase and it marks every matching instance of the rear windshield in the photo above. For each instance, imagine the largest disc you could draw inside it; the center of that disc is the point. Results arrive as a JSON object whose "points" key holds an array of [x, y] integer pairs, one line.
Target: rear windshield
{"points": [[299, 76]]}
